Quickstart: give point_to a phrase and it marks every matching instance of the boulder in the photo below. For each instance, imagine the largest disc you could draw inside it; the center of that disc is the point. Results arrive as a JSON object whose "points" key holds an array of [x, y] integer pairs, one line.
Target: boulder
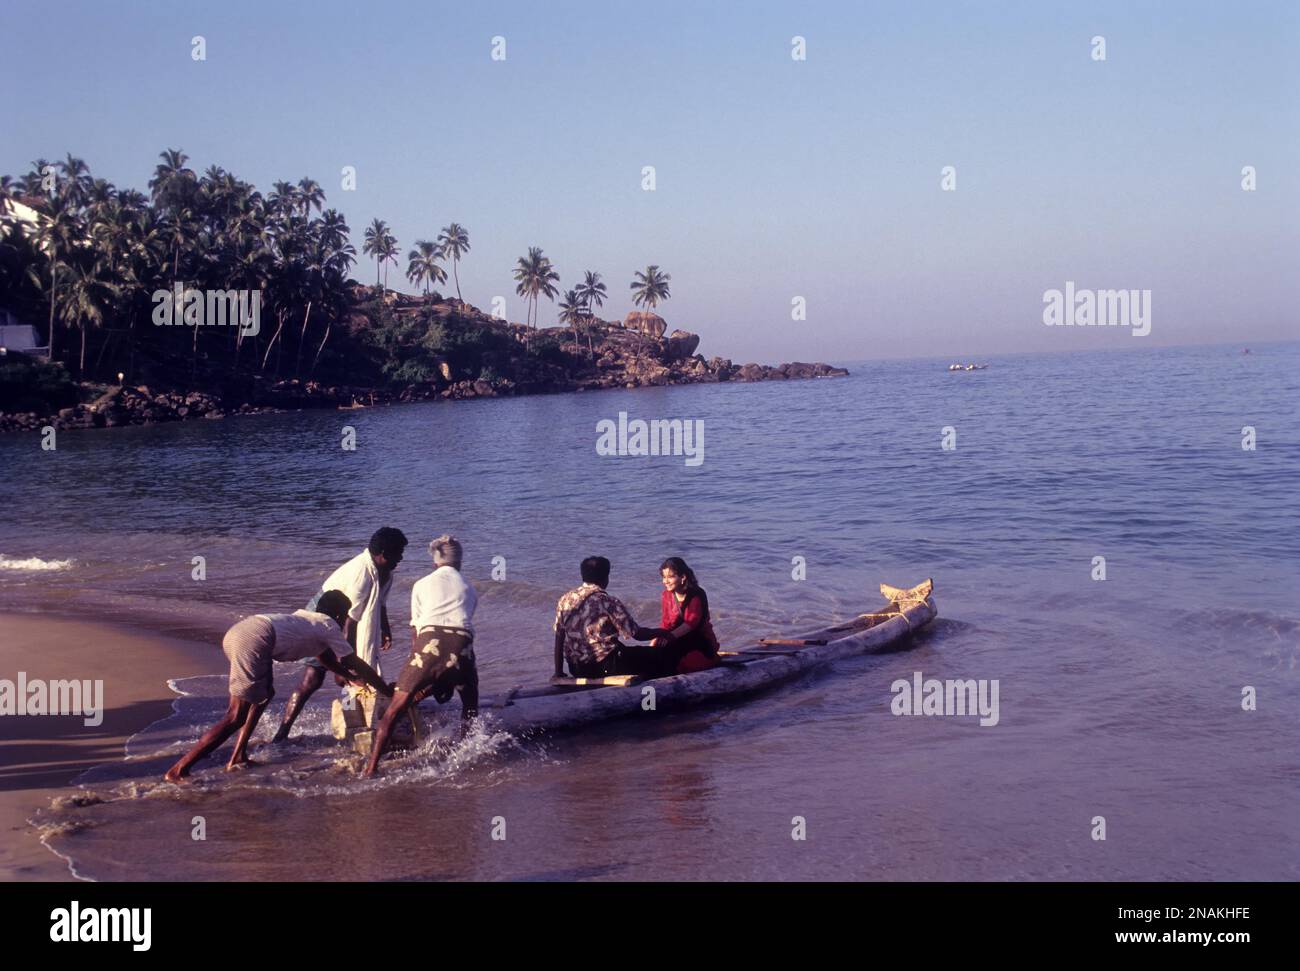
{"points": [[680, 345], [646, 323], [798, 369], [106, 400]]}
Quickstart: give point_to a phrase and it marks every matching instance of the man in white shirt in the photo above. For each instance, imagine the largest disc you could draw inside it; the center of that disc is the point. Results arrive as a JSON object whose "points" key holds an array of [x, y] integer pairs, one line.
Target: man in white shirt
{"points": [[365, 580], [252, 646], [442, 645], [443, 598]]}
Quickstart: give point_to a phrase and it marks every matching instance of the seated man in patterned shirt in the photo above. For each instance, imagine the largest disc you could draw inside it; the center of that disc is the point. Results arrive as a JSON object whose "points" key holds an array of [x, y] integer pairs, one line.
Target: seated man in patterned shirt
{"points": [[588, 623]]}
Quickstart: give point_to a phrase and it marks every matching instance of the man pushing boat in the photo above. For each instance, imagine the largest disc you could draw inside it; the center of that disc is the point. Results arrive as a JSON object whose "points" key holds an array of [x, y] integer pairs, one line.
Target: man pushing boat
{"points": [[366, 580], [442, 645], [252, 646]]}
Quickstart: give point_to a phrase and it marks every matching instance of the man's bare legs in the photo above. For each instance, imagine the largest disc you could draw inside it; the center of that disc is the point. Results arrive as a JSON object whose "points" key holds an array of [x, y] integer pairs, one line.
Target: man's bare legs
{"points": [[213, 739], [239, 757], [312, 678], [468, 709], [396, 708]]}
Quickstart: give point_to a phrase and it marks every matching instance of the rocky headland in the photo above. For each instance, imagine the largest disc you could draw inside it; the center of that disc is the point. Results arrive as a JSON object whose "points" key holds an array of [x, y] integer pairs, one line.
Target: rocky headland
{"points": [[456, 351]]}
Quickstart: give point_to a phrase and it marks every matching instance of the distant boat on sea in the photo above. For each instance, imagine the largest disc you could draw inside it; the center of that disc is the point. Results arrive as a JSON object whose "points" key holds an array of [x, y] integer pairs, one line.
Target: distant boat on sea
{"points": [[967, 367]]}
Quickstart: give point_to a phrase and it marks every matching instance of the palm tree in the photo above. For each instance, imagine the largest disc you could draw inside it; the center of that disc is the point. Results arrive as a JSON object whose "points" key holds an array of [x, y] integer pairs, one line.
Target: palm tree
{"points": [[592, 292], [172, 181], [537, 278], [146, 252], [57, 234], [376, 244], [87, 295], [455, 241], [249, 258], [389, 254], [310, 196], [32, 182], [422, 264], [651, 287], [312, 266], [573, 312], [334, 232], [173, 188], [337, 258], [109, 224], [284, 198], [76, 180]]}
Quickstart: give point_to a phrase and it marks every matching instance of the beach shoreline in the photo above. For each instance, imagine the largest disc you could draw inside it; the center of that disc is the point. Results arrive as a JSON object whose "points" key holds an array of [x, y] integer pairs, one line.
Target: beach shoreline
{"points": [[46, 753]]}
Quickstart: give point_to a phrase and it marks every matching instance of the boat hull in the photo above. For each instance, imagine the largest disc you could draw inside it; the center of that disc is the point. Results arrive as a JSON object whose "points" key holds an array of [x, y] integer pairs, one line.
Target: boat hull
{"points": [[888, 627]]}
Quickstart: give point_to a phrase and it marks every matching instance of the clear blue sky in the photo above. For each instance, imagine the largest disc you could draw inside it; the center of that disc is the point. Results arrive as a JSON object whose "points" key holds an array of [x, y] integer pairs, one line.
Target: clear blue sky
{"points": [[775, 178]]}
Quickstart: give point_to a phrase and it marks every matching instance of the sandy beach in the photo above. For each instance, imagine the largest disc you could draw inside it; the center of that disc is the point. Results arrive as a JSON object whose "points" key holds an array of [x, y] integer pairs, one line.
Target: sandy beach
{"points": [[43, 753]]}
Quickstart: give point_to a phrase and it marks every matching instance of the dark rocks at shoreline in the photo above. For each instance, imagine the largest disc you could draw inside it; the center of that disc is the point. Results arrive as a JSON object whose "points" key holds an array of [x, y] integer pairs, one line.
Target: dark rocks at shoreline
{"points": [[140, 405], [606, 355], [126, 406]]}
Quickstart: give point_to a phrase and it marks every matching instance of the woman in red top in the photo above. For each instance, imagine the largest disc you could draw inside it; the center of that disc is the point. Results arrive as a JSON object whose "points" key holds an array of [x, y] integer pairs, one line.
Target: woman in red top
{"points": [[690, 641]]}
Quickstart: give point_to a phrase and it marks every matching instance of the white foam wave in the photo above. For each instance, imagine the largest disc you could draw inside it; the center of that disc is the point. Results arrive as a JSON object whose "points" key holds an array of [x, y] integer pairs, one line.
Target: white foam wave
{"points": [[33, 563], [439, 760]]}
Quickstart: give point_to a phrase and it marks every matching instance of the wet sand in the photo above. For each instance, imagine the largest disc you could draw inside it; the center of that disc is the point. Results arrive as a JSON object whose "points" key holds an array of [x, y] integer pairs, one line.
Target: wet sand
{"points": [[43, 754]]}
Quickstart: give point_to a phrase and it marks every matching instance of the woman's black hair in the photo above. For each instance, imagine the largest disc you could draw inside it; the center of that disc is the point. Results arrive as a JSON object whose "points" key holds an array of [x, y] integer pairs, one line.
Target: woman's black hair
{"points": [[678, 566]]}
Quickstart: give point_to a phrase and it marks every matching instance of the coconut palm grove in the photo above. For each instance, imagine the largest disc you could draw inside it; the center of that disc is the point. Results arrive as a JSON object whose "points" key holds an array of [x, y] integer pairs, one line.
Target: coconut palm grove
{"points": [[94, 269]]}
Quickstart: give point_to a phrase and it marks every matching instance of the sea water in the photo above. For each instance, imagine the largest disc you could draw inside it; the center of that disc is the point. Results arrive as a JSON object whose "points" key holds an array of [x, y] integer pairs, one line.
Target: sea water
{"points": [[1102, 545]]}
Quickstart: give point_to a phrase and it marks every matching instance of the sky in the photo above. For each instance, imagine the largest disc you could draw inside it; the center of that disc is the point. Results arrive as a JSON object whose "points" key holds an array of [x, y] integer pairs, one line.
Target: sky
{"points": [[775, 178]]}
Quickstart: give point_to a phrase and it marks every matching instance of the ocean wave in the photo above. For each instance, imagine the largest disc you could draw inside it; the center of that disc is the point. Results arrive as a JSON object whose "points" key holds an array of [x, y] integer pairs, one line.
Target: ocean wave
{"points": [[1275, 636], [1236, 621], [33, 563]]}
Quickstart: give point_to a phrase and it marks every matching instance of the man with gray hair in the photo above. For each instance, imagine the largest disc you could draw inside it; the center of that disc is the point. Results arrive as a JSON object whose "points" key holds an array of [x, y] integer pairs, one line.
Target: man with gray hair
{"points": [[442, 645]]}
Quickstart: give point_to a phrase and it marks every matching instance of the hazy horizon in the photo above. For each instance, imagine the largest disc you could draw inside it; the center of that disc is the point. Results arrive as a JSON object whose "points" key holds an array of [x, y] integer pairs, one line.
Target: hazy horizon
{"points": [[776, 178]]}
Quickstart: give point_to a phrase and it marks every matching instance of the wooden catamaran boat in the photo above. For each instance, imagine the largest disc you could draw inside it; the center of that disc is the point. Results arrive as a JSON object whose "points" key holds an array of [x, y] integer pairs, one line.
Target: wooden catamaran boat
{"points": [[571, 702]]}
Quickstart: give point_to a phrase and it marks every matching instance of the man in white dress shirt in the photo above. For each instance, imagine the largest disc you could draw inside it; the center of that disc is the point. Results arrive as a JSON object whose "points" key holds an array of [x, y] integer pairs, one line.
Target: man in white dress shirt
{"points": [[366, 580], [442, 645]]}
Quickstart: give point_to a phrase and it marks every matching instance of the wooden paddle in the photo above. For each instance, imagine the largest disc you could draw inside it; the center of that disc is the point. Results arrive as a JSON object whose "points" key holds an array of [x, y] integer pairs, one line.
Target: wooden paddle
{"points": [[738, 658]]}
